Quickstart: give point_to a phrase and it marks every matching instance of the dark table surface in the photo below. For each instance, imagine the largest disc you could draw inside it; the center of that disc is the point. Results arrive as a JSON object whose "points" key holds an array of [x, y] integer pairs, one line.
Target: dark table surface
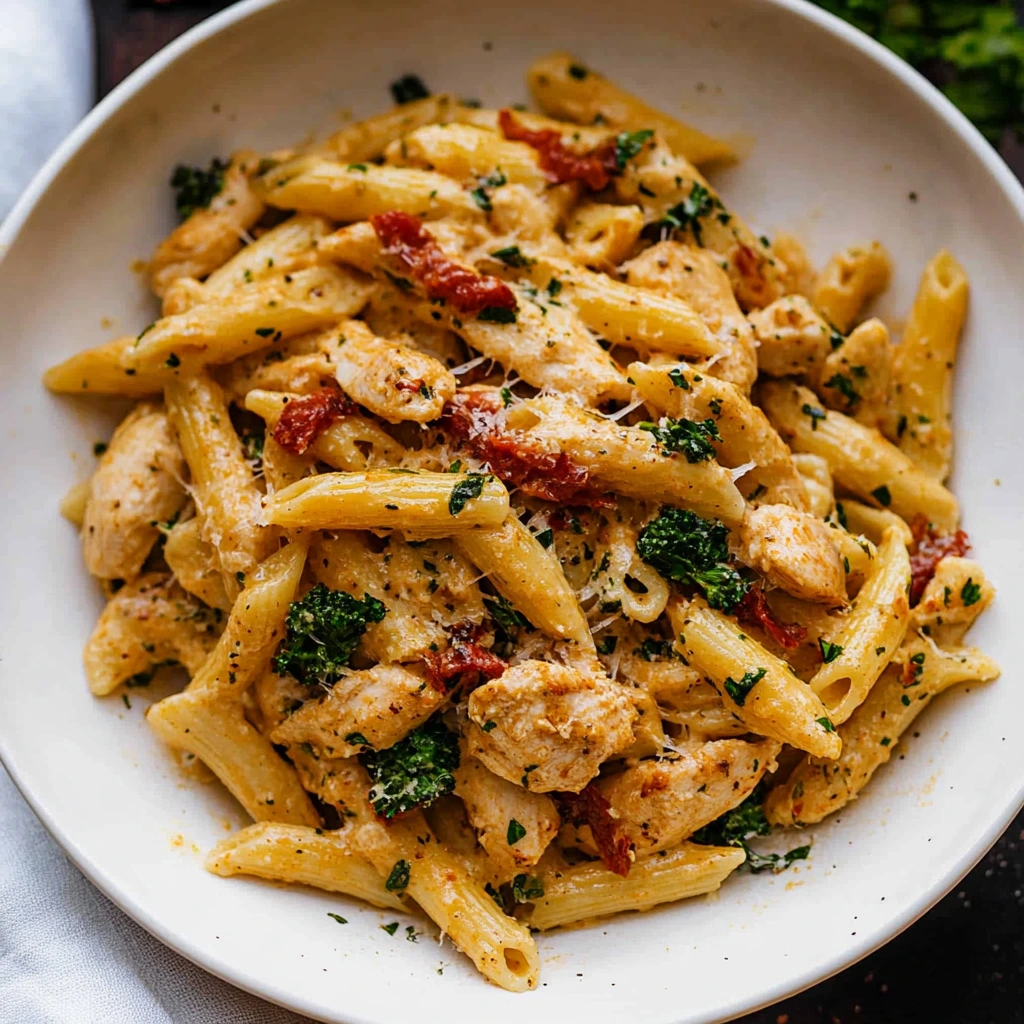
{"points": [[963, 962]]}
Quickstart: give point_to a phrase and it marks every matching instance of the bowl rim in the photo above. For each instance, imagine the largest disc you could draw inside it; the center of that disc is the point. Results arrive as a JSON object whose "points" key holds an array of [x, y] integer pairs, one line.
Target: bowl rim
{"points": [[120, 96]]}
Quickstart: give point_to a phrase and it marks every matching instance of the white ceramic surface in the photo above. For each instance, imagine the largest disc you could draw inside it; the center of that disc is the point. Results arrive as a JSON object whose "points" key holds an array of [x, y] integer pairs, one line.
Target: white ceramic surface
{"points": [[841, 134]]}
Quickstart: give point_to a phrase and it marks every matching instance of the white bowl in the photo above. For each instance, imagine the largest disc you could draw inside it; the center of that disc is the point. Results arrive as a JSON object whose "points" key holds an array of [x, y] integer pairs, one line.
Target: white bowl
{"points": [[842, 133]]}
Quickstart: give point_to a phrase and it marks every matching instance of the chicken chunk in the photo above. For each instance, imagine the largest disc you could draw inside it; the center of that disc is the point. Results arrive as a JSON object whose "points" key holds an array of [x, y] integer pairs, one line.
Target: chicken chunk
{"points": [[375, 707], [390, 379], [795, 552], [549, 727], [492, 803], [792, 338], [137, 485], [147, 623], [658, 803]]}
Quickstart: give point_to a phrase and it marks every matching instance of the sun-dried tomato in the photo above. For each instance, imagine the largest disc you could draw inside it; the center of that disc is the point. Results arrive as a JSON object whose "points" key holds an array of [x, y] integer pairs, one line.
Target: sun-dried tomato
{"points": [[932, 547], [559, 163], [459, 659], [472, 418], [304, 419], [405, 237], [754, 611], [590, 807]]}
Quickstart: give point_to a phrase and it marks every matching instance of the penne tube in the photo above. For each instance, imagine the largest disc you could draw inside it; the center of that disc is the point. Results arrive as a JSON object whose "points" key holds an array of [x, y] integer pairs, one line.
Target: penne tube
{"points": [[100, 371], [623, 313], [74, 503], [760, 689], [343, 444], [748, 439], [923, 366], [222, 486], [586, 891], [627, 459], [863, 520], [466, 152], [563, 87], [528, 576], [869, 634], [860, 458], [255, 626], [817, 787], [849, 281], [502, 948], [429, 504], [358, 191], [602, 235], [253, 317], [303, 856], [216, 731]]}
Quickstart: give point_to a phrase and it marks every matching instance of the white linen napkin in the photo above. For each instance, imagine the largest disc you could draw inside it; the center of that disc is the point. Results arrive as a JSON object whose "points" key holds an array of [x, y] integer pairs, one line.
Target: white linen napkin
{"points": [[68, 955]]}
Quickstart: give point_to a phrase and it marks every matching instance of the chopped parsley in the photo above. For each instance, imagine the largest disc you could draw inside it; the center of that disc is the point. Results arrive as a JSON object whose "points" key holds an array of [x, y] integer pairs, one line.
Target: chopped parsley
{"points": [[971, 593], [882, 496], [356, 739], [829, 651], [608, 645], [689, 213], [526, 888], [99, 448], [739, 691], [690, 437], [688, 549], [337, 917], [628, 144], [195, 188], [390, 928], [826, 724], [515, 832], [480, 194], [844, 385], [815, 412], [578, 72], [676, 376], [497, 315], [409, 88], [506, 615], [742, 823], [469, 487], [172, 361], [554, 287], [512, 256], [546, 538], [398, 880]]}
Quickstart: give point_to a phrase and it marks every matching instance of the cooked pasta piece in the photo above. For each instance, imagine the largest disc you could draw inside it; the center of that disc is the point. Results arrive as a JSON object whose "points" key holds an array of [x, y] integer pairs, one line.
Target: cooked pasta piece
{"points": [[580, 892], [304, 855], [767, 696], [100, 371], [850, 280], [602, 235], [749, 441], [565, 88], [817, 481], [923, 366], [817, 787], [216, 731], [859, 457], [430, 504], [695, 276], [528, 576], [226, 496]]}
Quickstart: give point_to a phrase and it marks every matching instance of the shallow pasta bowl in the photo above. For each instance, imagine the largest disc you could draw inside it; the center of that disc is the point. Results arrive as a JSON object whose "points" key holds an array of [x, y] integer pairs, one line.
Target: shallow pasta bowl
{"points": [[845, 144]]}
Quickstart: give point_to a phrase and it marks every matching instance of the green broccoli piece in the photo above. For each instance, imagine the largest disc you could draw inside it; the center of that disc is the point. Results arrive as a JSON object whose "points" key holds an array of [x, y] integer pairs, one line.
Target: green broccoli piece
{"points": [[416, 771], [324, 629], [743, 822], [690, 437], [195, 187], [684, 547]]}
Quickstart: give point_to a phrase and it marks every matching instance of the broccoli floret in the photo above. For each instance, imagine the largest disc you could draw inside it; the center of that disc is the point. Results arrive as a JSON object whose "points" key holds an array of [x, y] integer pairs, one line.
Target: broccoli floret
{"points": [[195, 187], [690, 437], [414, 772], [688, 549], [743, 822], [323, 631]]}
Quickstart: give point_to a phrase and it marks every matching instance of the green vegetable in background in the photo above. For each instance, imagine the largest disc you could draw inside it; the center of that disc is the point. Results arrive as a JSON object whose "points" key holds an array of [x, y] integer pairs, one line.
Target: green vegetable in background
{"points": [[973, 52]]}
